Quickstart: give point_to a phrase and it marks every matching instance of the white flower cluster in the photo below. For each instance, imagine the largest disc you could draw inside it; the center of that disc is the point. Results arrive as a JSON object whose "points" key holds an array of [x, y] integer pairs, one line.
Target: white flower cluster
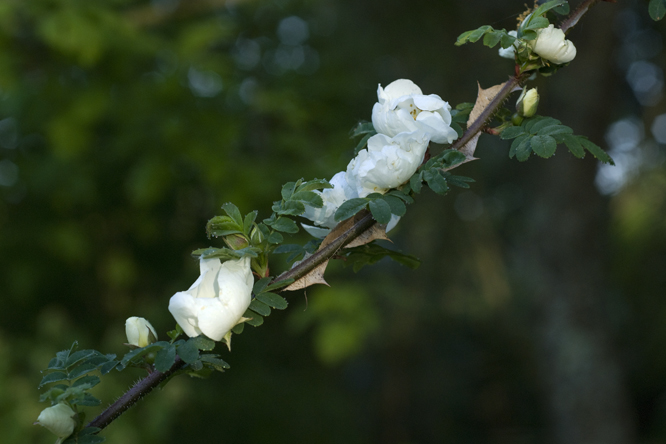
{"points": [[406, 120]]}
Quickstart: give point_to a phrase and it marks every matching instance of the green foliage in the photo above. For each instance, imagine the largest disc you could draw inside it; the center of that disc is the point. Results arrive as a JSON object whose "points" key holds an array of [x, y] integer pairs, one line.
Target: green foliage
{"points": [[491, 37], [365, 129], [541, 135], [657, 9], [369, 254], [73, 367], [460, 115], [87, 435], [434, 173]]}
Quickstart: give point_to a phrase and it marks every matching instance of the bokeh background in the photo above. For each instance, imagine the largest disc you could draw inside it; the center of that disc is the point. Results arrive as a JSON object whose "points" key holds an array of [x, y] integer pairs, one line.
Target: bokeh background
{"points": [[537, 316]]}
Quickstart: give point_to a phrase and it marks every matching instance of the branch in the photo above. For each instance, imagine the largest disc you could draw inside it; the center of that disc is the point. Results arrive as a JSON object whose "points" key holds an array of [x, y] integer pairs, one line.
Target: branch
{"points": [[147, 384], [133, 395], [573, 18]]}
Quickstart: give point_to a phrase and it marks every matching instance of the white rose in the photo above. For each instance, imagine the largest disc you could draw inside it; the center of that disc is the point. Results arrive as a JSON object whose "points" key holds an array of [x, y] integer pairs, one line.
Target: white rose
{"points": [[387, 163], [59, 419], [402, 107], [139, 332], [510, 52], [333, 198], [216, 301], [551, 45]]}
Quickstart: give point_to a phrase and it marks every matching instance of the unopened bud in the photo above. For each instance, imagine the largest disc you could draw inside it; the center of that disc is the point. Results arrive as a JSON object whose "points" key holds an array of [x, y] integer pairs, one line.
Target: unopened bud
{"points": [[59, 419], [236, 241], [139, 332], [528, 102], [256, 236]]}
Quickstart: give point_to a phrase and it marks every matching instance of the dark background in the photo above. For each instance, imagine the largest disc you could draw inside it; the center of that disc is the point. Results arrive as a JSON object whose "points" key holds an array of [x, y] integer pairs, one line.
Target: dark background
{"points": [[537, 316]]}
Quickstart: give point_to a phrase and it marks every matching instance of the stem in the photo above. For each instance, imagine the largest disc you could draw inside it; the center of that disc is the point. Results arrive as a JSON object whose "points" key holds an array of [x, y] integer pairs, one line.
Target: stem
{"points": [[133, 395], [147, 384], [573, 18], [488, 112]]}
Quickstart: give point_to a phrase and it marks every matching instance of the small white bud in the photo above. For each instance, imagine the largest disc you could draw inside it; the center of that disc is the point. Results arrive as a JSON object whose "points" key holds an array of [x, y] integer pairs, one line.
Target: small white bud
{"points": [[58, 419], [528, 102], [139, 332]]}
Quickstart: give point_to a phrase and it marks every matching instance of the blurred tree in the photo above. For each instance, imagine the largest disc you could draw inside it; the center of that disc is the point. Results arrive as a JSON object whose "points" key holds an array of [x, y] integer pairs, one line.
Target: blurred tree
{"points": [[125, 124]]}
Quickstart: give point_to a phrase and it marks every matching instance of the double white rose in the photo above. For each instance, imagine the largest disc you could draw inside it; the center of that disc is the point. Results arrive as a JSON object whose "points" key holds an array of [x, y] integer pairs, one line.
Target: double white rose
{"points": [[387, 163], [215, 303], [402, 107]]}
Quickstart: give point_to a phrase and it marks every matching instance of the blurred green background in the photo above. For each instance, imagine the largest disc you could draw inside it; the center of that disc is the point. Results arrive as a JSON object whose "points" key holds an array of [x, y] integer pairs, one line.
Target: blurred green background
{"points": [[537, 316]]}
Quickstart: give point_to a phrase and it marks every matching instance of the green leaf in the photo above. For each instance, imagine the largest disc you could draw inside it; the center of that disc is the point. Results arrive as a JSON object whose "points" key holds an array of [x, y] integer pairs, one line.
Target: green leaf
{"points": [[273, 300], [90, 439], [287, 190], [350, 208], [285, 225], [402, 196], [56, 364], [215, 362], [87, 400], [201, 342], [369, 254], [363, 142], [308, 197], [263, 282], [458, 181], [416, 182], [507, 40], [545, 8], [381, 211], [260, 308], [478, 33], [538, 23], [81, 370], [292, 208], [517, 143], [562, 10], [657, 9], [315, 184], [88, 381], [436, 182], [511, 132], [595, 150], [362, 128], [53, 392], [78, 356], [463, 38], [233, 212], [238, 328], [52, 377], [397, 206], [188, 352], [535, 127], [255, 321], [107, 367], [523, 151], [554, 129], [543, 146], [249, 221], [491, 39], [275, 238], [165, 358]]}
